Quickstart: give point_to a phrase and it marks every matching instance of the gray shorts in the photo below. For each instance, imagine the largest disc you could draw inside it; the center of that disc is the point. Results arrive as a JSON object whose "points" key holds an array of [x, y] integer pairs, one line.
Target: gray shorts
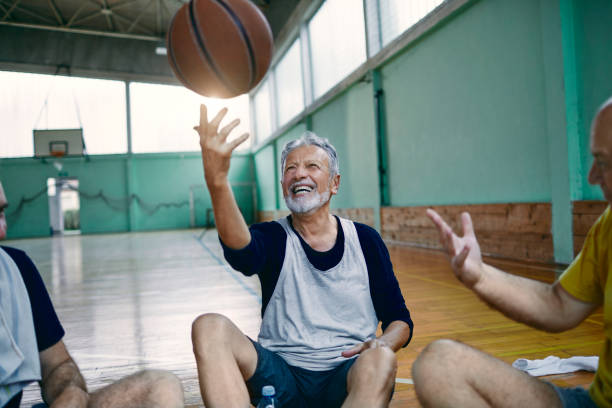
{"points": [[296, 387], [576, 397]]}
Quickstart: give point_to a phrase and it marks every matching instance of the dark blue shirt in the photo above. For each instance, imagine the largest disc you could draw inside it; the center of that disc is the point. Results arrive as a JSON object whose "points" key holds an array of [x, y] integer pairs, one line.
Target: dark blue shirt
{"points": [[265, 255], [46, 323]]}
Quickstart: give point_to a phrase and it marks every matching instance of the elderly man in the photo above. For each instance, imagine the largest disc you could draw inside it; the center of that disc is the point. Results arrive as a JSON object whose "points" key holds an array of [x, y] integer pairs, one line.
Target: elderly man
{"points": [[326, 283], [448, 373], [31, 348]]}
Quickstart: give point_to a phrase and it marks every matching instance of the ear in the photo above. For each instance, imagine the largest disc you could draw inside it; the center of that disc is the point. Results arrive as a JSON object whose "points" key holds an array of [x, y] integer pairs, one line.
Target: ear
{"points": [[334, 184]]}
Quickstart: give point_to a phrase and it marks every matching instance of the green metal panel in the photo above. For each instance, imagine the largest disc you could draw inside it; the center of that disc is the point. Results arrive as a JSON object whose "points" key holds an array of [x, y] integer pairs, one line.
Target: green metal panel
{"points": [[570, 25], [349, 123], [594, 62], [293, 133], [556, 114], [265, 172], [466, 111], [157, 179]]}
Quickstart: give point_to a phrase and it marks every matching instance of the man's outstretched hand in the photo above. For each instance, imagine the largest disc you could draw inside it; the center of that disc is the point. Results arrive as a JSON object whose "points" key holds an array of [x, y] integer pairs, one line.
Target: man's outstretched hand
{"points": [[464, 251], [216, 150]]}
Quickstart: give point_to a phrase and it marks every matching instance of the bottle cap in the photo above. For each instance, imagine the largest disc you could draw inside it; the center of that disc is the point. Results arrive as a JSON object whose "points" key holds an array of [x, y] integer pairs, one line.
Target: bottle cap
{"points": [[268, 391]]}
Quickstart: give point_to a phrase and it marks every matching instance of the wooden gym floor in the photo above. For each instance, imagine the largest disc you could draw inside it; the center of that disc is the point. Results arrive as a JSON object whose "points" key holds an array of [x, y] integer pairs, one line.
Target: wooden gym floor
{"points": [[127, 302]]}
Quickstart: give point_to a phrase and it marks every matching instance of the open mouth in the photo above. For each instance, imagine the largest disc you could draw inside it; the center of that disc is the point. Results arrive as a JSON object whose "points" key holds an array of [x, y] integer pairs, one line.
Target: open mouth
{"points": [[300, 188]]}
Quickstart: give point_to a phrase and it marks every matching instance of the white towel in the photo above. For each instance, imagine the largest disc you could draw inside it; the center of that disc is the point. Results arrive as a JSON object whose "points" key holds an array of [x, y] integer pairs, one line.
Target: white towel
{"points": [[556, 365]]}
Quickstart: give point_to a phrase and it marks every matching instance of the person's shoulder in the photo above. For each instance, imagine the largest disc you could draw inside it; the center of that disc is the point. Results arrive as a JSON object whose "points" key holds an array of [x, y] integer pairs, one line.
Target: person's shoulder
{"points": [[602, 228], [366, 232], [269, 227], [19, 256]]}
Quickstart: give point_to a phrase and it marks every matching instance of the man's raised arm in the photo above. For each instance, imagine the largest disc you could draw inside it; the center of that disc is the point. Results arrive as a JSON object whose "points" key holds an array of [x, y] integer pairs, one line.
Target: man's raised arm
{"points": [[216, 156], [541, 305]]}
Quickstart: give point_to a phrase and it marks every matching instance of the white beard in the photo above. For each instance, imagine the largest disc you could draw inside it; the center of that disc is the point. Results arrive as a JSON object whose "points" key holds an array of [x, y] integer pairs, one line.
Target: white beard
{"points": [[308, 203]]}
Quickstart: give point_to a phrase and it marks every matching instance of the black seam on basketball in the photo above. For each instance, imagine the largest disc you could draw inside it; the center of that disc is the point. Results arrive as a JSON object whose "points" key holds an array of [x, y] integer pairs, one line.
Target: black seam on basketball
{"points": [[209, 58], [245, 37], [170, 49]]}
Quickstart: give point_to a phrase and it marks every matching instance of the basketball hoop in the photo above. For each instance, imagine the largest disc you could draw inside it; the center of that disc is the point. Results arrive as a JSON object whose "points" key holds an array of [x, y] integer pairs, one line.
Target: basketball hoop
{"points": [[58, 149]]}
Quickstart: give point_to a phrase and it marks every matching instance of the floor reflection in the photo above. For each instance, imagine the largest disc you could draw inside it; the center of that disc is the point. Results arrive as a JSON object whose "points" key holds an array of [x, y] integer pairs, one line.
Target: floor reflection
{"points": [[127, 301]]}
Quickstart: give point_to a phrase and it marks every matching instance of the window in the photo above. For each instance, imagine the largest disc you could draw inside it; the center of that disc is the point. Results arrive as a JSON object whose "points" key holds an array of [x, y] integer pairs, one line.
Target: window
{"points": [[399, 15], [29, 101], [263, 114], [337, 42], [163, 117], [289, 91]]}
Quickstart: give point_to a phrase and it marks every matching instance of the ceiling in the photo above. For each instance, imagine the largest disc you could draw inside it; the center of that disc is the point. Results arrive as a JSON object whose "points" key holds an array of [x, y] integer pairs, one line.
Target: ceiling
{"points": [[137, 19], [112, 39]]}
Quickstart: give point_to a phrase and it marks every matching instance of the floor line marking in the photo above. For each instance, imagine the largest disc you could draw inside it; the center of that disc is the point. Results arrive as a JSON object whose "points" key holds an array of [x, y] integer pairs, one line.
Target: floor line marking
{"points": [[229, 270], [404, 381]]}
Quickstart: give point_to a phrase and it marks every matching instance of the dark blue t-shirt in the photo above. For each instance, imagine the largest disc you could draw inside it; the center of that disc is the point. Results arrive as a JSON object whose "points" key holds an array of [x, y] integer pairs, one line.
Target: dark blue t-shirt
{"points": [[46, 323], [265, 255]]}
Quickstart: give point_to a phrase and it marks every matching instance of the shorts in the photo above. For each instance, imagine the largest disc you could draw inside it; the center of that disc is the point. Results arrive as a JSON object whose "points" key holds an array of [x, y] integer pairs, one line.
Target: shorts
{"points": [[297, 387], [576, 397]]}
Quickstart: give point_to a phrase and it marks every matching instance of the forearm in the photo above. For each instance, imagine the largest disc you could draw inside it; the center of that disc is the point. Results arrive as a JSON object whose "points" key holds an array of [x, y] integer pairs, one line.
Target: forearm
{"points": [[396, 334], [65, 387], [229, 221], [525, 300]]}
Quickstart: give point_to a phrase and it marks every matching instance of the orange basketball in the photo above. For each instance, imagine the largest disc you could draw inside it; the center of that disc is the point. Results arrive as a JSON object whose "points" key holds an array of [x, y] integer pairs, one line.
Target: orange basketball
{"points": [[219, 48]]}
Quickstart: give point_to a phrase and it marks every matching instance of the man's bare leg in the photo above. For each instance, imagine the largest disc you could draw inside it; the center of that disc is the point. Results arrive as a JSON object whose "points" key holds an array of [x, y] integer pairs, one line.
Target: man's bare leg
{"points": [[145, 389], [371, 379], [225, 359], [452, 374]]}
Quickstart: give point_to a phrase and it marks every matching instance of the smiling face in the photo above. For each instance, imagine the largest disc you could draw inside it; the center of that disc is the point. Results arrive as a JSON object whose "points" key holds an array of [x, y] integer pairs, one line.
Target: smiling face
{"points": [[306, 181], [601, 148]]}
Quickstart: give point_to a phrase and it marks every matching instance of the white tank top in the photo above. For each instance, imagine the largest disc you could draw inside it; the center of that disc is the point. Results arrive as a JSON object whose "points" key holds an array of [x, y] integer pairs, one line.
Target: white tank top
{"points": [[314, 315]]}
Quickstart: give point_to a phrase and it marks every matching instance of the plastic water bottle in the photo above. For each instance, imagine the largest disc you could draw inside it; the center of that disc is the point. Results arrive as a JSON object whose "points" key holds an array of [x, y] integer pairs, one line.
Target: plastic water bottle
{"points": [[268, 397]]}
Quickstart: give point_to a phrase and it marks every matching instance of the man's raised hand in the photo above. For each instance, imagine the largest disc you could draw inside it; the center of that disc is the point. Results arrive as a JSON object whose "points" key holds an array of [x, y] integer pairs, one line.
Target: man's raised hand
{"points": [[464, 252], [216, 150]]}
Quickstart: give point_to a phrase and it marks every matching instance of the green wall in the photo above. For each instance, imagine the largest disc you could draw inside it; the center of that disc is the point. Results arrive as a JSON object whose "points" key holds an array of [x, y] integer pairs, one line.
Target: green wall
{"points": [[466, 111], [348, 122], [491, 105], [594, 65], [161, 181]]}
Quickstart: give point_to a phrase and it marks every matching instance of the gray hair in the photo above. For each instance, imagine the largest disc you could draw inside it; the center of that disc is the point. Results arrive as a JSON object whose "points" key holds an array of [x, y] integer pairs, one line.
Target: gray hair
{"points": [[311, 139]]}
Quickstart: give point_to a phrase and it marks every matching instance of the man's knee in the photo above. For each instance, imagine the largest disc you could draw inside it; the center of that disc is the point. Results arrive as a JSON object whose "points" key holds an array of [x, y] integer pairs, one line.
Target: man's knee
{"points": [[437, 356], [377, 364], [150, 388], [208, 327]]}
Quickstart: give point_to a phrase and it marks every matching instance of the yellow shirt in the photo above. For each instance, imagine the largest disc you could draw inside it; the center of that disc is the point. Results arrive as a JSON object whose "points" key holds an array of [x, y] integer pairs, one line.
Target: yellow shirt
{"points": [[587, 279]]}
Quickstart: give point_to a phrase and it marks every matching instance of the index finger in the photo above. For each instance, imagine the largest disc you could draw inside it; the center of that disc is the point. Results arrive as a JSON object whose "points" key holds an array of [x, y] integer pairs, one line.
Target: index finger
{"points": [[203, 116], [440, 223]]}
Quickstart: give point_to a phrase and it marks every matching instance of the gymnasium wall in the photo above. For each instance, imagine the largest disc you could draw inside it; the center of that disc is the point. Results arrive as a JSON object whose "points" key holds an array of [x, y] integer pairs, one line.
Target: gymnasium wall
{"points": [[158, 184], [466, 111], [485, 113], [594, 76], [348, 122]]}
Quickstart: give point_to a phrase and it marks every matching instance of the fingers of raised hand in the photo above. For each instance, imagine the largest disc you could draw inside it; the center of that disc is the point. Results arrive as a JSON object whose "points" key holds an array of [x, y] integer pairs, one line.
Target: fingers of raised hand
{"points": [[203, 117], [458, 260], [213, 125], [238, 141], [466, 223], [223, 133]]}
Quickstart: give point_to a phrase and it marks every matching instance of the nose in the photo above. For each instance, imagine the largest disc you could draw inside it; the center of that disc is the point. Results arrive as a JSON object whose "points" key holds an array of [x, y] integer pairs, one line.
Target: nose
{"points": [[594, 174], [300, 172]]}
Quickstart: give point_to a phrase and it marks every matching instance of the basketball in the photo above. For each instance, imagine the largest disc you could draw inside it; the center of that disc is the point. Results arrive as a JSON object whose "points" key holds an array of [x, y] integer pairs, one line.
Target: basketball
{"points": [[219, 48]]}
